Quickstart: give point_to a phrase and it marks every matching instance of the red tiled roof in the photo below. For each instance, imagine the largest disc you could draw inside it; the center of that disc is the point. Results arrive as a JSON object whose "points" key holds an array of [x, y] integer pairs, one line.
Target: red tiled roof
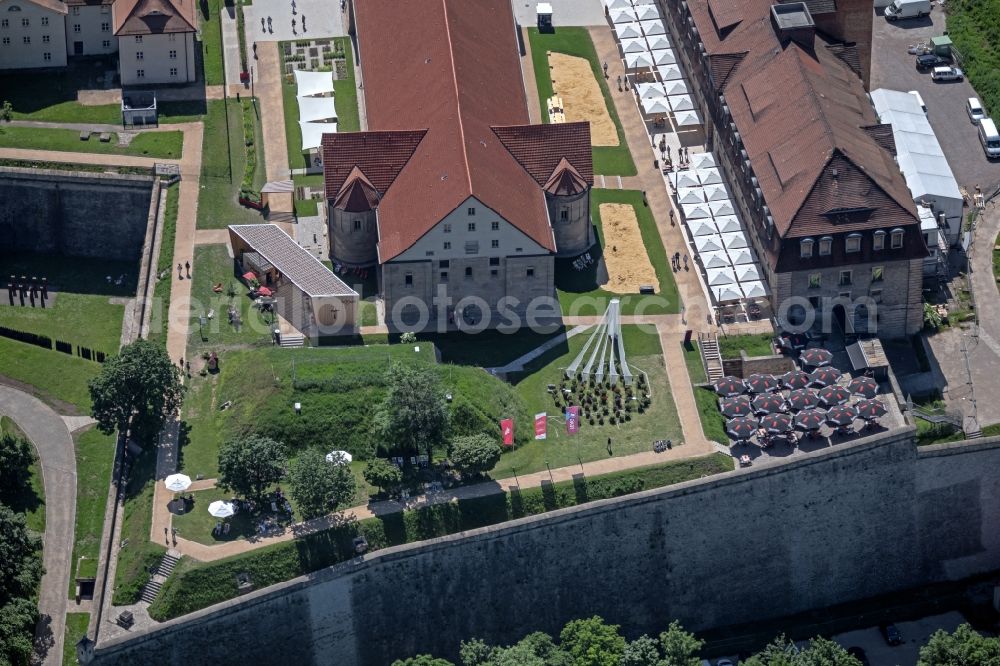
{"points": [[452, 67], [565, 180], [153, 17], [380, 156], [358, 194], [540, 148], [52, 5]]}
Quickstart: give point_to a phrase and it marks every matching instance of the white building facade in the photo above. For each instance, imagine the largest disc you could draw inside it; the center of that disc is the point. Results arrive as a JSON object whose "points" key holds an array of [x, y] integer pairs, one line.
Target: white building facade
{"points": [[156, 59], [32, 34], [89, 30]]}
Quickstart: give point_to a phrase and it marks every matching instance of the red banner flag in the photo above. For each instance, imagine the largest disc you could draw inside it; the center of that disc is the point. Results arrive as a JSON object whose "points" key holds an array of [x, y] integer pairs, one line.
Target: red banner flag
{"points": [[573, 419], [507, 426], [540, 426]]}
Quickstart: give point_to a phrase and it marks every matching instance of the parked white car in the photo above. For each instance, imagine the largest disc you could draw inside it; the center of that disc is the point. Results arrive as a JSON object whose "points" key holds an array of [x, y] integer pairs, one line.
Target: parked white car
{"points": [[974, 108], [947, 74]]}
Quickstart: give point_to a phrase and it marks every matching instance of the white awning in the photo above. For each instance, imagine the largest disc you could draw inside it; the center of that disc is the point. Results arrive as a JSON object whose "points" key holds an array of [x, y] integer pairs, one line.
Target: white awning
{"points": [[728, 224], [658, 42], [622, 16], [638, 60], [312, 133], [655, 105], [735, 240], [702, 227], [721, 208], [316, 108], [687, 118], [690, 195], [754, 289], [726, 294], [628, 31], [664, 57], [716, 192], [709, 244], [669, 72], [684, 178], [700, 160], [313, 83], [648, 13], [720, 276], [714, 260], [650, 28], [676, 87], [747, 273], [695, 211], [741, 257], [649, 90], [618, 4], [709, 176], [634, 46], [680, 103]]}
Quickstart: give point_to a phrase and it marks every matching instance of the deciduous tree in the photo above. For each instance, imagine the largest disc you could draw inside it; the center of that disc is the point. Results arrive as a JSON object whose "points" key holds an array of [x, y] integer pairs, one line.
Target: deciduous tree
{"points": [[964, 647], [643, 651], [680, 648], [414, 414], [382, 474], [16, 457], [592, 642], [318, 486], [249, 465], [475, 454], [820, 652], [422, 660]]}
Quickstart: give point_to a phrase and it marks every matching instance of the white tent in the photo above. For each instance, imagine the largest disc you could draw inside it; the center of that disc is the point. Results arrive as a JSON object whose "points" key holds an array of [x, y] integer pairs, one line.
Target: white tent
{"points": [[651, 28], [641, 4], [700, 160], [622, 16], [735, 240], [312, 133], [675, 87], [313, 83], [634, 46], [648, 13], [716, 192], [628, 31], [649, 90], [695, 211], [702, 227], [709, 176], [747, 273], [680, 103], [690, 195], [687, 118], [742, 256], [685, 178], [638, 60], [726, 294], [669, 72], [754, 289], [708, 244], [727, 224], [664, 57], [655, 105], [618, 4], [316, 108], [721, 208], [714, 260], [720, 276], [339, 457], [658, 42]]}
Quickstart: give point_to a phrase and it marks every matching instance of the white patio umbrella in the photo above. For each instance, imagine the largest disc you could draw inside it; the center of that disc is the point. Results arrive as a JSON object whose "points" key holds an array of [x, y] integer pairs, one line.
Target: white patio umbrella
{"points": [[655, 105], [618, 4], [726, 293], [728, 224], [680, 103], [664, 57], [720, 276], [735, 241], [702, 227], [694, 211], [221, 509], [716, 192], [754, 289], [714, 260], [708, 244], [628, 31], [684, 179], [690, 195], [176, 483], [641, 4], [709, 176], [638, 60], [650, 90], [721, 208], [648, 13], [700, 160], [741, 256], [669, 72], [747, 273], [658, 42], [339, 457], [622, 16], [675, 87], [687, 118], [634, 46], [653, 28]]}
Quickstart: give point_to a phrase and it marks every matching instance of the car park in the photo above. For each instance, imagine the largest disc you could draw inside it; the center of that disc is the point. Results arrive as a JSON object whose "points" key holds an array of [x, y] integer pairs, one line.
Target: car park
{"points": [[926, 61], [975, 110], [947, 74], [891, 634]]}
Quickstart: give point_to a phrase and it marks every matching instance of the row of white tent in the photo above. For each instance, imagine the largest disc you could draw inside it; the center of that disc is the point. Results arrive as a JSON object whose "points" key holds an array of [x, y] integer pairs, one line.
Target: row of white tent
{"points": [[317, 109]]}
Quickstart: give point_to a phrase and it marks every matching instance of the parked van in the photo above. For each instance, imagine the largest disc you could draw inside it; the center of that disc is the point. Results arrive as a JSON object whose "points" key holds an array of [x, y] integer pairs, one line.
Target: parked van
{"points": [[904, 9], [989, 137], [975, 110]]}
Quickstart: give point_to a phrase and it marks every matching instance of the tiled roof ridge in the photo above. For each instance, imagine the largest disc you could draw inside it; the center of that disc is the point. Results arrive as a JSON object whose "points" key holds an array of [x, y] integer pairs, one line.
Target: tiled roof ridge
{"points": [[458, 96]]}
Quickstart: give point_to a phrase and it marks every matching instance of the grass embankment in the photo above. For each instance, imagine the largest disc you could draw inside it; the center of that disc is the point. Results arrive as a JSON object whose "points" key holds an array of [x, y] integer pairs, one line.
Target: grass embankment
{"points": [[76, 628], [165, 268], [147, 144], [753, 345], [95, 453], [608, 160], [58, 379], [137, 554], [222, 167], [579, 291], [713, 423], [31, 502], [974, 27], [198, 585], [211, 42]]}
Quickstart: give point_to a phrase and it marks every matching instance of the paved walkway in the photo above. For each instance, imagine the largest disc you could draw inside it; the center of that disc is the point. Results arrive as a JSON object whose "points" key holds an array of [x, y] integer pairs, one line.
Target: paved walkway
{"points": [[322, 19], [46, 429], [81, 158], [230, 45], [268, 91]]}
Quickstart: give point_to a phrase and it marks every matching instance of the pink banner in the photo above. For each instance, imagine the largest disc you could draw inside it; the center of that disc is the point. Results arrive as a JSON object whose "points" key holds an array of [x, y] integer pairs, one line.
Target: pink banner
{"points": [[540, 426], [573, 419], [507, 426]]}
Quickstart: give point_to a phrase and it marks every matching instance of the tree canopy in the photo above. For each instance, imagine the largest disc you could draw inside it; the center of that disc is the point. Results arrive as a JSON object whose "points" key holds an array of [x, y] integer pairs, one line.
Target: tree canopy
{"points": [[318, 486], [137, 390], [592, 642], [381, 473], [16, 457], [250, 464], [20, 573], [422, 660], [475, 454], [963, 647], [680, 647], [414, 414], [820, 652]]}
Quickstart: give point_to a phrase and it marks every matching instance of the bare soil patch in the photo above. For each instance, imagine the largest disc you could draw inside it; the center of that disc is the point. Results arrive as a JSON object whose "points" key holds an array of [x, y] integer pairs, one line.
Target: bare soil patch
{"points": [[624, 254], [573, 80]]}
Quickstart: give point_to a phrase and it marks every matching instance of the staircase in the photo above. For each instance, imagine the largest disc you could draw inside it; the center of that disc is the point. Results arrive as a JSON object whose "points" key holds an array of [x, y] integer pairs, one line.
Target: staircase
{"points": [[292, 340], [710, 356], [276, 216], [165, 568]]}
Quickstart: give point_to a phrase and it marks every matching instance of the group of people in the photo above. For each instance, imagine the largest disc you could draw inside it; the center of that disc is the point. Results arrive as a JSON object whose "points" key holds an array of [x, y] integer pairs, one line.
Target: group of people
{"points": [[675, 262], [267, 28]]}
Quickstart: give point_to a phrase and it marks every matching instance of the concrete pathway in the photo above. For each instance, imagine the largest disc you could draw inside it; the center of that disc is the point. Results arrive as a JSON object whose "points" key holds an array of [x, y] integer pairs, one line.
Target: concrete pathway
{"points": [[46, 429], [681, 389], [323, 19], [74, 423], [530, 83], [81, 158], [230, 45], [81, 127], [518, 364], [268, 91]]}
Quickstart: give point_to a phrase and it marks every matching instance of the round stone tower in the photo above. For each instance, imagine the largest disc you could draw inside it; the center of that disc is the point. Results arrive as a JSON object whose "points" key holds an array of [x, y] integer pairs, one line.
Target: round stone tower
{"points": [[351, 221], [567, 196]]}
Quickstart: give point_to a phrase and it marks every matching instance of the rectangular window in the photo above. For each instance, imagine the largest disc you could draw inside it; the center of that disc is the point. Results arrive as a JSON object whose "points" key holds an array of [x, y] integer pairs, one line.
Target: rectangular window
{"points": [[106, 44], [171, 37], [825, 246], [494, 261], [853, 243], [468, 271], [472, 226], [530, 272], [877, 273], [815, 280], [447, 228], [138, 39], [806, 249], [76, 11], [76, 27], [357, 225], [494, 243], [472, 247], [173, 71], [564, 214], [138, 55], [472, 210], [444, 276], [444, 263], [105, 27], [845, 278], [447, 245], [140, 73], [6, 41], [105, 9], [27, 40], [46, 57], [429, 253], [408, 279], [25, 22], [494, 272], [45, 39], [4, 23], [494, 226], [173, 55], [45, 19], [897, 239]]}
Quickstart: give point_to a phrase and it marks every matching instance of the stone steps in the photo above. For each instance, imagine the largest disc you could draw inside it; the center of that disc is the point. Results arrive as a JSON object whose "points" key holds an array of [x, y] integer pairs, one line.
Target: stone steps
{"points": [[292, 340], [710, 356], [163, 571]]}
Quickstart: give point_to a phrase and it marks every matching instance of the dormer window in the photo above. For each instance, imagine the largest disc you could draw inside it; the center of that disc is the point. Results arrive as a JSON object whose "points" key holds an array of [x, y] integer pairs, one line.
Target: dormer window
{"points": [[825, 246], [853, 243], [897, 239], [878, 242], [806, 248]]}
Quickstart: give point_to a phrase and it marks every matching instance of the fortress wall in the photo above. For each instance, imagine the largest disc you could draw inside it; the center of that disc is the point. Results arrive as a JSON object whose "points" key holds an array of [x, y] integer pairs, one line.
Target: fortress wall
{"points": [[863, 519]]}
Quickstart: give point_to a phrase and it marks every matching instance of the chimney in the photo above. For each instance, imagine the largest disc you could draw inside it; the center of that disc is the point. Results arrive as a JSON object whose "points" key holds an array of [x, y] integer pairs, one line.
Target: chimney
{"points": [[792, 22]]}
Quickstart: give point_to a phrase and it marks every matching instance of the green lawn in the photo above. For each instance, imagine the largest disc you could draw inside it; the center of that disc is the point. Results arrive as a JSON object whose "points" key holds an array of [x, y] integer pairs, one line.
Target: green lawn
{"points": [[974, 26], [608, 160], [211, 42], [95, 453], [713, 423], [753, 345], [218, 204], [146, 144], [579, 291], [660, 421], [76, 628], [489, 349], [692, 358], [198, 525], [137, 554], [197, 585], [165, 267], [32, 501], [346, 101], [56, 378]]}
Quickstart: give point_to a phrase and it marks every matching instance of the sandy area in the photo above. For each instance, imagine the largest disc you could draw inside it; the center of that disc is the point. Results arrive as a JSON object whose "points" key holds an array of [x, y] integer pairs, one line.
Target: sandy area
{"points": [[573, 80], [624, 254]]}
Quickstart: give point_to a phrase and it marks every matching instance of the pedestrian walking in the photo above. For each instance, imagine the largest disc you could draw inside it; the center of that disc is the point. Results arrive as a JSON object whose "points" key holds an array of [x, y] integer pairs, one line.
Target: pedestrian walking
{"points": [[166, 539], [173, 534], [685, 262], [181, 363], [262, 28], [644, 201], [619, 83], [293, 27], [609, 447], [293, 7], [187, 267], [187, 366], [605, 65], [180, 276], [303, 23], [671, 217]]}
